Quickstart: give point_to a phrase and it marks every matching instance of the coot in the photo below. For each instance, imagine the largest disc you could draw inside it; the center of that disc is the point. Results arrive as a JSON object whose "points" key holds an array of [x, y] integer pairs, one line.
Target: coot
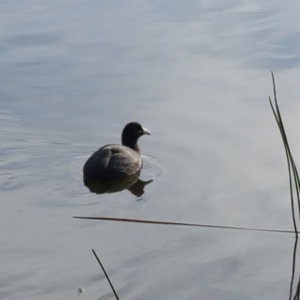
{"points": [[113, 161]]}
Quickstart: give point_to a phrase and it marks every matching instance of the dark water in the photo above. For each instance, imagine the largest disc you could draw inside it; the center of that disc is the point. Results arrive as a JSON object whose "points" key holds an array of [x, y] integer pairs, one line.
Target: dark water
{"points": [[197, 74]]}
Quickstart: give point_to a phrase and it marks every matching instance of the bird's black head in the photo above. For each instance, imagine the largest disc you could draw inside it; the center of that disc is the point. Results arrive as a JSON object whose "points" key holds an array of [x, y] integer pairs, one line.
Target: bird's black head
{"points": [[131, 133]]}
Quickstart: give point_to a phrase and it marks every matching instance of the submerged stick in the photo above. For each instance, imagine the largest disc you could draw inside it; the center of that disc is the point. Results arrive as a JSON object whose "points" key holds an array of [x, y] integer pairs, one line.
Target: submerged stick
{"points": [[181, 224], [111, 285]]}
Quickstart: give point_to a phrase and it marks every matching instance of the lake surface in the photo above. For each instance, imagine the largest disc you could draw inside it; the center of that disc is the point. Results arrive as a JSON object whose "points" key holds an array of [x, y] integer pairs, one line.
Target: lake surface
{"points": [[197, 74]]}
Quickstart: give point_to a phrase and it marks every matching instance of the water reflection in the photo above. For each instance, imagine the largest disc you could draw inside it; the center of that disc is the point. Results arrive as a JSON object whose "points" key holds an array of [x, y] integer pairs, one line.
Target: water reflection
{"points": [[297, 290], [132, 183]]}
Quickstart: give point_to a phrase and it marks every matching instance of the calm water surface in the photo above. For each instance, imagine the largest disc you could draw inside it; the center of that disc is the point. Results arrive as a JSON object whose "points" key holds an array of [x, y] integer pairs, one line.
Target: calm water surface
{"points": [[197, 74]]}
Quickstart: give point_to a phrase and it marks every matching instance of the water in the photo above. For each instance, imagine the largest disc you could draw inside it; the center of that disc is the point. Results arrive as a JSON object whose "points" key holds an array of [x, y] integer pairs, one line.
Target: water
{"points": [[197, 74]]}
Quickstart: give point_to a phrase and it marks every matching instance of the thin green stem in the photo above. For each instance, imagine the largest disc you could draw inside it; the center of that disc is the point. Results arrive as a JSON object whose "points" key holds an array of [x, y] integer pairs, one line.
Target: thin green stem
{"points": [[290, 161], [154, 222], [111, 285]]}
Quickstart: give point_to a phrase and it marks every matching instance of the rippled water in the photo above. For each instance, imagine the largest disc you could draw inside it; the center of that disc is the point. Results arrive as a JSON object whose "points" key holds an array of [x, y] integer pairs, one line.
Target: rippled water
{"points": [[197, 74]]}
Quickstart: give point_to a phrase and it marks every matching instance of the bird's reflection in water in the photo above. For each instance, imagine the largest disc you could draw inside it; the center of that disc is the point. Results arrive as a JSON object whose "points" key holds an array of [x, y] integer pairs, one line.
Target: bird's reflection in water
{"points": [[131, 183]]}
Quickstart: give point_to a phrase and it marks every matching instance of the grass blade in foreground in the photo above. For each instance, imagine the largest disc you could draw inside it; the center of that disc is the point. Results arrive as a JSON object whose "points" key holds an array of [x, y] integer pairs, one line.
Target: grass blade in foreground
{"points": [[112, 287], [292, 169], [181, 224]]}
